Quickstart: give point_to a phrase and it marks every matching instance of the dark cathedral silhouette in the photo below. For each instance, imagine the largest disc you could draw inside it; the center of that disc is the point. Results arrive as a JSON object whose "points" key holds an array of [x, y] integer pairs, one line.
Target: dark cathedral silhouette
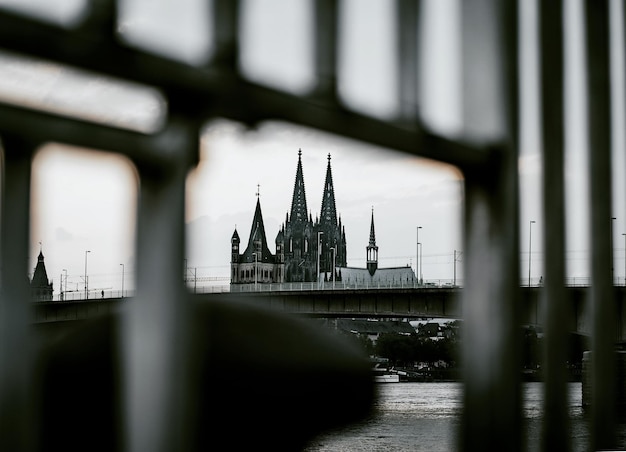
{"points": [[297, 243]]}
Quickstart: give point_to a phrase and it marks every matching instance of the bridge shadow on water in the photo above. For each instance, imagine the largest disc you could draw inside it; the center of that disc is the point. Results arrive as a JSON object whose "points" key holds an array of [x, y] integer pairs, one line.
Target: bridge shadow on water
{"points": [[258, 380]]}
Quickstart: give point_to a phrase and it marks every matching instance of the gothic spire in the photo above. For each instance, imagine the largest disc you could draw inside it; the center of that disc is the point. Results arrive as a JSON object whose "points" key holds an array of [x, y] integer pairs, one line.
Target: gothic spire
{"points": [[298, 203], [329, 211], [372, 233]]}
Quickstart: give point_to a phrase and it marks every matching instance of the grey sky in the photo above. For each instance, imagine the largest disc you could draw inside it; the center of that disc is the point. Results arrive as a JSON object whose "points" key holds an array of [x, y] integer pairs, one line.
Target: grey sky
{"points": [[82, 205]]}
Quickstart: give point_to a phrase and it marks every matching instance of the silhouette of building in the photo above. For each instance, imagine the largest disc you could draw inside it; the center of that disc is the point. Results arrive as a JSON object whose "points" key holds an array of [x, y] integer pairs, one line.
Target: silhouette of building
{"points": [[373, 276], [297, 242], [40, 287]]}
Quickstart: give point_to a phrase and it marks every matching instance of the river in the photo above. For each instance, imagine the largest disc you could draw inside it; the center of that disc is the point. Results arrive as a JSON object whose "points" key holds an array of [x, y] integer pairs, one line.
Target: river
{"points": [[426, 416]]}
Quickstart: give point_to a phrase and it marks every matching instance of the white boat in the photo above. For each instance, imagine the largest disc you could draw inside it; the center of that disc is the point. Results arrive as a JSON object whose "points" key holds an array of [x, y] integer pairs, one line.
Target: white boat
{"points": [[385, 375], [387, 378]]}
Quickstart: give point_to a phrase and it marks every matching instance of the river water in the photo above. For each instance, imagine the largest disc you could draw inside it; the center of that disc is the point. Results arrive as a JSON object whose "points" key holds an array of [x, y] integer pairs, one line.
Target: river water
{"points": [[426, 416]]}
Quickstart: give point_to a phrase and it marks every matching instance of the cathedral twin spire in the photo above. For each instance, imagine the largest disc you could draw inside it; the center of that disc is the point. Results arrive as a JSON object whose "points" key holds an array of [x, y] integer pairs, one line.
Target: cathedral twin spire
{"points": [[298, 203]]}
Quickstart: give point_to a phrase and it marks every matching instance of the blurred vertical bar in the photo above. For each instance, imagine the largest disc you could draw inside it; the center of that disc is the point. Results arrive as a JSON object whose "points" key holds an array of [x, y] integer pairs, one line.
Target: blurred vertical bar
{"points": [[556, 308], [16, 425], [408, 15], [326, 25], [491, 346], [602, 297], [156, 326], [226, 26]]}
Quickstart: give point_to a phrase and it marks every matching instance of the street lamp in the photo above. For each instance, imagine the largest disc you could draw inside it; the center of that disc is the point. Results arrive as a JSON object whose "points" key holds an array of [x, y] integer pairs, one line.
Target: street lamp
{"points": [[624, 259], [319, 252], [417, 255], [530, 247], [611, 241], [456, 258], [334, 248], [86, 278], [254, 254], [65, 286], [122, 280]]}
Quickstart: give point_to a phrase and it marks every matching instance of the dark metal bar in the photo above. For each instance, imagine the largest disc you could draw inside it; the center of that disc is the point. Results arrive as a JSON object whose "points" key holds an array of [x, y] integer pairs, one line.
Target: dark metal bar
{"points": [[226, 26], [16, 348], [408, 15], [156, 335], [326, 32], [491, 345], [604, 327], [556, 309]]}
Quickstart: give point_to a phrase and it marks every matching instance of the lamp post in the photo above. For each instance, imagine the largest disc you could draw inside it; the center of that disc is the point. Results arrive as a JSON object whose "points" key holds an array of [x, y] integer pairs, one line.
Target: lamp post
{"points": [[456, 257], [122, 280], [86, 278], [254, 257], [64, 286], [319, 252], [611, 242], [530, 247], [334, 248], [417, 255], [624, 259]]}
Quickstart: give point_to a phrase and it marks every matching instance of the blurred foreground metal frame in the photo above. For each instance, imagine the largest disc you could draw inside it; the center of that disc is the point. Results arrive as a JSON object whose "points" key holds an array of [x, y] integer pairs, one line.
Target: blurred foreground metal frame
{"points": [[490, 89]]}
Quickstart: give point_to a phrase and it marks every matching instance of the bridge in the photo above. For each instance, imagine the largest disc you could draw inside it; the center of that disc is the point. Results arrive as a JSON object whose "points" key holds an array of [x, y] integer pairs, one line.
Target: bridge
{"points": [[410, 303]]}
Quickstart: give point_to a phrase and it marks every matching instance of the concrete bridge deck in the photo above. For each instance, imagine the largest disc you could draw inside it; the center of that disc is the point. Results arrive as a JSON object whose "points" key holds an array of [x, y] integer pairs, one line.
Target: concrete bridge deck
{"points": [[411, 303]]}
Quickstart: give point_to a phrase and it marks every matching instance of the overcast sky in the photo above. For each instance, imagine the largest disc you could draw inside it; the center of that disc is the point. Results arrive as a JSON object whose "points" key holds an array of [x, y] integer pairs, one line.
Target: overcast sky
{"points": [[85, 201]]}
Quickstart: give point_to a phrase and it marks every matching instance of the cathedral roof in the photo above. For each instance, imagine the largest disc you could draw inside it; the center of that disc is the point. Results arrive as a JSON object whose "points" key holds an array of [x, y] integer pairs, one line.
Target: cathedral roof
{"points": [[329, 211], [298, 203], [235, 236], [257, 233]]}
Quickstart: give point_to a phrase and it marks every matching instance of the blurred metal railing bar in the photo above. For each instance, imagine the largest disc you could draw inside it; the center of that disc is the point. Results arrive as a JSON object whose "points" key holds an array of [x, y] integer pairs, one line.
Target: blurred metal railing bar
{"points": [[144, 150], [556, 309], [16, 354], [408, 20], [326, 34], [217, 93], [156, 346], [226, 26], [492, 419], [603, 322]]}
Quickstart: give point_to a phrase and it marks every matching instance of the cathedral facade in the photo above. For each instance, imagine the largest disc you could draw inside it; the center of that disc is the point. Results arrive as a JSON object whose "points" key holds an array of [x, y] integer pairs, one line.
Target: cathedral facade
{"points": [[304, 249]]}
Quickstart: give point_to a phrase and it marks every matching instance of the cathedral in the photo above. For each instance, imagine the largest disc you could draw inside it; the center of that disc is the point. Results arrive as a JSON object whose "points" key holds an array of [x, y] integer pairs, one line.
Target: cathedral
{"points": [[302, 245], [297, 244]]}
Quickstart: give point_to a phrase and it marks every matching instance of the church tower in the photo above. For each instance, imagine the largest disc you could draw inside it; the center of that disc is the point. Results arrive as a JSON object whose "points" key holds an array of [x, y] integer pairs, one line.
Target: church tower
{"points": [[299, 244], [256, 265], [40, 287], [234, 257], [332, 234], [372, 250]]}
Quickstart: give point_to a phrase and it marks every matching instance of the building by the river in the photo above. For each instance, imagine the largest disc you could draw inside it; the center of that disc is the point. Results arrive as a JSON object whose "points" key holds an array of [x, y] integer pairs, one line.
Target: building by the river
{"points": [[297, 243], [40, 287]]}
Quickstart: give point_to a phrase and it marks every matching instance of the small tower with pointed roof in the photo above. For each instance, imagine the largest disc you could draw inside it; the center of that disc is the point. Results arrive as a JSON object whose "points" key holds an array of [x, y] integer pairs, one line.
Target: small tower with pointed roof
{"points": [[234, 257], [372, 250], [40, 287], [256, 265]]}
